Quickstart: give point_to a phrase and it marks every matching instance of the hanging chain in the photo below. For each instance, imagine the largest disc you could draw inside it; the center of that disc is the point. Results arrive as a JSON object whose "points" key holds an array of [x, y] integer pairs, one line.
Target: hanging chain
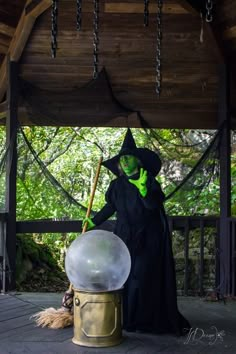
{"points": [[79, 12], [158, 47], [54, 14], [146, 13], [209, 7], [95, 38]]}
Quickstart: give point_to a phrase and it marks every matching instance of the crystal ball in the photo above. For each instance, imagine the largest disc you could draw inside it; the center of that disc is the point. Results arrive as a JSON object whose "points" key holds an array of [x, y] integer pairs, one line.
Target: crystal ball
{"points": [[98, 260]]}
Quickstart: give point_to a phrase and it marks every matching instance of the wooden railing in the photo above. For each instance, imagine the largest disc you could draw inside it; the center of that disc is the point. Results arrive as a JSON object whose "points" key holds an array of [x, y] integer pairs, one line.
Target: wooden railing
{"points": [[177, 224], [185, 224]]}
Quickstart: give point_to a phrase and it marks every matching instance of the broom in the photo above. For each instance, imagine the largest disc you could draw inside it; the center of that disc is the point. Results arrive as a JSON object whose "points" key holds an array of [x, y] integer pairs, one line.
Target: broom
{"points": [[63, 317]]}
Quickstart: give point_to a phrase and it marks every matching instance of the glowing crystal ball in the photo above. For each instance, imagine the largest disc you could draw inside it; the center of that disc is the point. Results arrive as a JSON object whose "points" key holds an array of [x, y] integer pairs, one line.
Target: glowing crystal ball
{"points": [[98, 260]]}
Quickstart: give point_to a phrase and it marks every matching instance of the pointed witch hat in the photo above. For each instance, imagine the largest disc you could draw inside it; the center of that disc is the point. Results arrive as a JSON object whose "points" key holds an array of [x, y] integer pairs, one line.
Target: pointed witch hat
{"points": [[149, 159]]}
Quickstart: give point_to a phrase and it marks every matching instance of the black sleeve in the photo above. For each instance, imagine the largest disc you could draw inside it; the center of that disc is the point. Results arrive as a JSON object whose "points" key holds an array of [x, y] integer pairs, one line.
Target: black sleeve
{"points": [[108, 209], [154, 196]]}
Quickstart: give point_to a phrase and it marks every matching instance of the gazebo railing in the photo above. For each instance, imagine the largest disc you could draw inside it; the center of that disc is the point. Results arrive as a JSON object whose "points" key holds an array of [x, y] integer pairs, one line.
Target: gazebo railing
{"points": [[184, 224]]}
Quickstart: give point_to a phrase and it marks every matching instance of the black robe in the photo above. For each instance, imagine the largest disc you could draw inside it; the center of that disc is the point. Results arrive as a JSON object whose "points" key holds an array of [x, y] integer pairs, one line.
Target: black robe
{"points": [[149, 299]]}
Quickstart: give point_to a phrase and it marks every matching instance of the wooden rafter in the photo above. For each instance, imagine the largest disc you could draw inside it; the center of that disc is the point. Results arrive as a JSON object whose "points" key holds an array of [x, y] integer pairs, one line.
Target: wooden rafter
{"points": [[3, 110], [189, 8], [7, 30], [32, 10]]}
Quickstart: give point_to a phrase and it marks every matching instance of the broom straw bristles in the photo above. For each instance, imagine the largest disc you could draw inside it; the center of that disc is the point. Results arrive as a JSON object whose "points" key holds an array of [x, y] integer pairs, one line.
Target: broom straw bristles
{"points": [[53, 318]]}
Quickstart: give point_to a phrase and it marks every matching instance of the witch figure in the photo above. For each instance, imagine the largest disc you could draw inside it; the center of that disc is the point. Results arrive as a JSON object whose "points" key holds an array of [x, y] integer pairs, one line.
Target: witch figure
{"points": [[149, 297]]}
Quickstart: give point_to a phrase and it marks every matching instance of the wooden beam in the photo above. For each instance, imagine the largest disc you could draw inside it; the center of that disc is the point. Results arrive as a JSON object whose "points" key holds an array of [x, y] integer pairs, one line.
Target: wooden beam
{"points": [[51, 226], [5, 40], [11, 168], [225, 179], [20, 38], [48, 226], [189, 8], [125, 7], [3, 110], [36, 7], [7, 30], [3, 78], [24, 28]]}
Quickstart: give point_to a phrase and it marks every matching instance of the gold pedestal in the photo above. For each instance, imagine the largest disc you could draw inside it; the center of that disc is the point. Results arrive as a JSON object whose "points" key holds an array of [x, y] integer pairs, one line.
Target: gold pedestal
{"points": [[97, 318]]}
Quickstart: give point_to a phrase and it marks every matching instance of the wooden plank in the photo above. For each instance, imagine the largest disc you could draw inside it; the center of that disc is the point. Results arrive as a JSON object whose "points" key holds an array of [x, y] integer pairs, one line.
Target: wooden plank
{"points": [[24, 28], [3, 110], [20, 38], [131, 8], [18, 322], [225, 180], [3, 78], [155, 118], [166, 118], [7, 30], [11, 305], [11, 332], [188, 7], [36, 7], [42, 335], [11, 301], [12, 313], [45, 226]]}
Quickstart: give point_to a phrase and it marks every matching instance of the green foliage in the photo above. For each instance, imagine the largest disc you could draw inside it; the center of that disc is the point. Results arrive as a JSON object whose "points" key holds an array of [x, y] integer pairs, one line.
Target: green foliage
{"points": [[72, 155], [37, 267]]}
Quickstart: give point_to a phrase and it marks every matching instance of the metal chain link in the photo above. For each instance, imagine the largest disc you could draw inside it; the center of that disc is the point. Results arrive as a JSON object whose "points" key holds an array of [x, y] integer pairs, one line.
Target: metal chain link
{"points": [[158, 47], [95, 38], [209, 7], [54, 14], [146, 13], [79, 13]]}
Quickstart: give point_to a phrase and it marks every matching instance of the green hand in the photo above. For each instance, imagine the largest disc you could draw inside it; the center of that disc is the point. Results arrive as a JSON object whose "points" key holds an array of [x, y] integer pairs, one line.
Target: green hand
{"points": [[141, 182], [90, 223]]}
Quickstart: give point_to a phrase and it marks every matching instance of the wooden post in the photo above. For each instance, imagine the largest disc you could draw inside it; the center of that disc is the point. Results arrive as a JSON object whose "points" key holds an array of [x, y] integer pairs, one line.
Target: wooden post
{"points": [[225, 180], [11, 168]]}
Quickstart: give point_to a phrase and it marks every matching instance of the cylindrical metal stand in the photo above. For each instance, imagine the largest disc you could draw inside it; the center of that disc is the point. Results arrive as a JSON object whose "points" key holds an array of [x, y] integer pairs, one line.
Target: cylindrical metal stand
{"points": [[97, 318]]}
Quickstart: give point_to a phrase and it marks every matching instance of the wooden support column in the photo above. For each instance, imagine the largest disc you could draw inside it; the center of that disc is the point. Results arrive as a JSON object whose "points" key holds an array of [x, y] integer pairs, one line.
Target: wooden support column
{"points": [[225, 180], [11, 168]]}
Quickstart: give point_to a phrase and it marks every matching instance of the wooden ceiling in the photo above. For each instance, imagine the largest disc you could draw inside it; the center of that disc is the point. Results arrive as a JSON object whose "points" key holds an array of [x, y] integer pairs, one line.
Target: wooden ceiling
{"points": [[127, 49]]}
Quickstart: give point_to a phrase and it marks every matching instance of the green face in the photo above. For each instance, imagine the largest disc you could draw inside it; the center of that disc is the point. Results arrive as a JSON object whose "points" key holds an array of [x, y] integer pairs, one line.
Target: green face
{"points": [[129, 164]]}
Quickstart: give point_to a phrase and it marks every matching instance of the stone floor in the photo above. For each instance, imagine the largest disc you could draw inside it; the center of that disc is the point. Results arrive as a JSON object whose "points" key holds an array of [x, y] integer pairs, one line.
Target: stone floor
{"points": [[213, 329]]}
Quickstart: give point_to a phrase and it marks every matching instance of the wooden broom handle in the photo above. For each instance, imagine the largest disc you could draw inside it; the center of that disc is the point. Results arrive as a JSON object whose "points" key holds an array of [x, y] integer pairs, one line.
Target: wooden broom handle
{"points": [[92, 194], [90, 203]]}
